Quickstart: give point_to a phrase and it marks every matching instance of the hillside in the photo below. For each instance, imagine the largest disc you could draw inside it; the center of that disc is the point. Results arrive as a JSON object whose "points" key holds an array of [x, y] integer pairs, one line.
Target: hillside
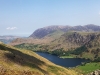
{"points": [[23, 62], [73, 39], [80, 44], [92, 48]]}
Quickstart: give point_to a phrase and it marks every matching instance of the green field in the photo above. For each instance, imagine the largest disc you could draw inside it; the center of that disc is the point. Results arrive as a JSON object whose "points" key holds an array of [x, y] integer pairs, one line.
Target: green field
{"points": [[89, 67], [66, 56]]}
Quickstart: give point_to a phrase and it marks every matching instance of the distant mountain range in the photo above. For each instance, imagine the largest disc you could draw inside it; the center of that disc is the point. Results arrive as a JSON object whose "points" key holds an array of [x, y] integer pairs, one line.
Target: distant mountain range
{"points": [[42, 32], [7, 38]]}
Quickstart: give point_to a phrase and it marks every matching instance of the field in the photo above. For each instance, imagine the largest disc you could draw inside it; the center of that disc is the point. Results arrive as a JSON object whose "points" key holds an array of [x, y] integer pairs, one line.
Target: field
{"points": [[66, 56], [89, 67]]}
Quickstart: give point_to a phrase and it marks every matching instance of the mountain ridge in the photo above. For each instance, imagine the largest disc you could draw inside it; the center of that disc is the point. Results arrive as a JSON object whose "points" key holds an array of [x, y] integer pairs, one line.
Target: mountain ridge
{"points": [[42, 32]]}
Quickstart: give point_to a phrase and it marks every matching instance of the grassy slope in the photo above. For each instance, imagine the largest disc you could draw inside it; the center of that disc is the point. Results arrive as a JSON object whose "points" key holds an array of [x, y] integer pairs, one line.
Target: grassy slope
{"points": [[55, 34], [23, 62]]}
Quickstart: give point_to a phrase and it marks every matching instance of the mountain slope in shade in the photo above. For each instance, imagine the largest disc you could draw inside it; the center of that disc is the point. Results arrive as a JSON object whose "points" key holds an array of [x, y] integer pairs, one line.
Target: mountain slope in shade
{"points": [[42, 32], [23, 62]]}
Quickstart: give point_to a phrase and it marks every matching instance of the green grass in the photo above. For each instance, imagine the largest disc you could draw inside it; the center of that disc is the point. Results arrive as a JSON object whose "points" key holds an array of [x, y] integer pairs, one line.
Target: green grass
{"points": [[89, 67], [66, 56], [56, 34]]}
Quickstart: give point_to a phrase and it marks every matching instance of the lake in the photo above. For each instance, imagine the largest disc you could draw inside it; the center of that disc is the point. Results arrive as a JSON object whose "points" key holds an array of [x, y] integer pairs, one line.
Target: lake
{"points": [[66, 62]]}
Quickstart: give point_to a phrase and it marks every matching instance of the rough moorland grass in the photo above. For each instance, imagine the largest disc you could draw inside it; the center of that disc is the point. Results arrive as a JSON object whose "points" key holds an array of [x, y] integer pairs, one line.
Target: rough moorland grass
{"points": [[25, 62]]}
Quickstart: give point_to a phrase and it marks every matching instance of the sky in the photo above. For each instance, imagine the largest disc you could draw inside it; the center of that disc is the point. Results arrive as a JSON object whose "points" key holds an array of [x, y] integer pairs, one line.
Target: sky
{"points": [[23, 17]]}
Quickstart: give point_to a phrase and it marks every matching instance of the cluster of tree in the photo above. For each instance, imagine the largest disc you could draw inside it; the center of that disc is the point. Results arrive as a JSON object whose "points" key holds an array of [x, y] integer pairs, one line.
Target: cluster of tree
{"points": [[28, 46], [44, 48], [97, 60], [79, 50]]}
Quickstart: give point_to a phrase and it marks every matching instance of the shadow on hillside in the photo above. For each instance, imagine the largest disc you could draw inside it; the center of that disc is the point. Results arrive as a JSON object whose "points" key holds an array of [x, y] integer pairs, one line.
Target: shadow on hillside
{"points": [[23, 59]]}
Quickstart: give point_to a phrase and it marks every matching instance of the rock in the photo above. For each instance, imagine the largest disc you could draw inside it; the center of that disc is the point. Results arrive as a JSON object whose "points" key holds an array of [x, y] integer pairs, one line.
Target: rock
{"points": [[97, 72]]}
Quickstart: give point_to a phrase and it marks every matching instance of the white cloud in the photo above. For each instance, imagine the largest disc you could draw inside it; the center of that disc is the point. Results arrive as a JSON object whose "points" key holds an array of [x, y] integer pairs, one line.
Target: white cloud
{"points": [[11, 28]]}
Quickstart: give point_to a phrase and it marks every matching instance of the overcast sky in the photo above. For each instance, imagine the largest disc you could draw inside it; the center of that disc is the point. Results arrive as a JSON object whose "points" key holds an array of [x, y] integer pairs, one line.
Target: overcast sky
{"points": [[22, 17]]}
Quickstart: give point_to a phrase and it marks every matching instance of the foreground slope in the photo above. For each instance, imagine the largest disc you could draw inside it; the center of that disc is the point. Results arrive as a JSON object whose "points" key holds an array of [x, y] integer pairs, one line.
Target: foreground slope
{"points": [[23, 62]]}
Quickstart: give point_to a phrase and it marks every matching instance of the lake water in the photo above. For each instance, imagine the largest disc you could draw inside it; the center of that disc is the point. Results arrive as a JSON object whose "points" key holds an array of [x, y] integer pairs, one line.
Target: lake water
{"points": [[66, 62]]}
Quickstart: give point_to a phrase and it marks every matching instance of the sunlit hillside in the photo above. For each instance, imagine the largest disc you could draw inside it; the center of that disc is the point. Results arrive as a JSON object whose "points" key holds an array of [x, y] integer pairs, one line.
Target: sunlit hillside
{"points": [[23, 62]]}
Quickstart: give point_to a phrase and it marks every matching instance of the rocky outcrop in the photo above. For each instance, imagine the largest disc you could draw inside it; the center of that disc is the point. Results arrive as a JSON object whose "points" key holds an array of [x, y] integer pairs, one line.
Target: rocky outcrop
{"points": [[97, 72]]}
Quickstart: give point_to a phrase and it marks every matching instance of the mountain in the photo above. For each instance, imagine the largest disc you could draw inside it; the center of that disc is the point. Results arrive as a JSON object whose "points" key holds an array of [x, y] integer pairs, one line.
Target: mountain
{"points": [[24, 62], [42, 32], [93, 27], [75, 39], [7, 38], [47, 34]]}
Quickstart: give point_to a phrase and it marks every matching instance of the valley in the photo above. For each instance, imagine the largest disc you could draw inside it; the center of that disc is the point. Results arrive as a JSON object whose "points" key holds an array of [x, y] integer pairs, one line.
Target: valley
{"points": [[49, 37], [78, 44], [66, 42]]}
